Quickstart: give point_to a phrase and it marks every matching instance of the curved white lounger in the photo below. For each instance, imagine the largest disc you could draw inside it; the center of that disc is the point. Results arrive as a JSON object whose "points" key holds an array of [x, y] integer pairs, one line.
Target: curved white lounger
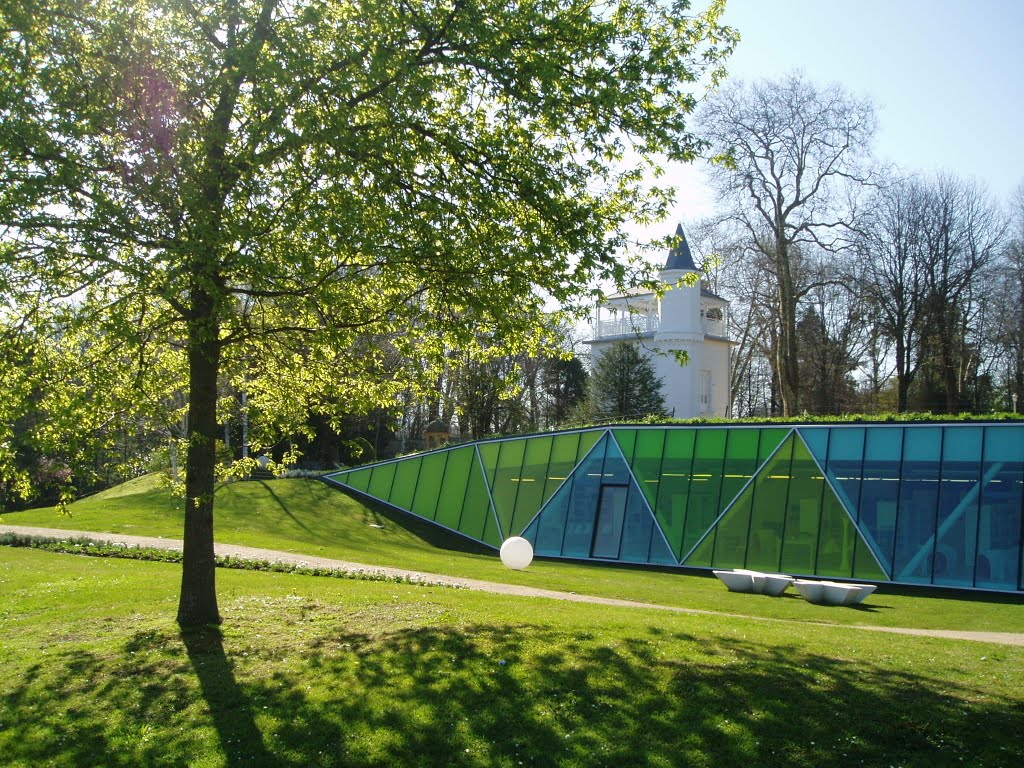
{"points": [[811, 591], [776, 583], [737, 581]]}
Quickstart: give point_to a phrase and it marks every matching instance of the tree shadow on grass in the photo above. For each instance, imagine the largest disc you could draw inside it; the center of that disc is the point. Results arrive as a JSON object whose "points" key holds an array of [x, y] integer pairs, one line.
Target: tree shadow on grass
{"points": [[494, 695], [229, 706]]}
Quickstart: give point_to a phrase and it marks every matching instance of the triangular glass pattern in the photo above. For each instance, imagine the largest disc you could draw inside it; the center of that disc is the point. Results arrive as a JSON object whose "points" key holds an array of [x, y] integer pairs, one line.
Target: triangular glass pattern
{"points": [[359, 479], [626, 438], [788, 519]]}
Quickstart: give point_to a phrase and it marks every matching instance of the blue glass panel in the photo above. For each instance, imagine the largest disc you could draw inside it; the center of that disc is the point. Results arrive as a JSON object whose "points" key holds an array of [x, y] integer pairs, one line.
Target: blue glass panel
{"points": [[660, 552], [530, 534], [879, 484], [817, 440], [586, 490], [845, 460], [611, 518], [550, 524], [1002, 502], [616, 471], [959, 497], [636, 535], [918, 500]]}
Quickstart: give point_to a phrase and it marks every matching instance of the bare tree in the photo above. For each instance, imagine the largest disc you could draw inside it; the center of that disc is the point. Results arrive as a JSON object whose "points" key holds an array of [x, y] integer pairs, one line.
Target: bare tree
{"points": [[963, 231], [787, 153], [895, 283]]}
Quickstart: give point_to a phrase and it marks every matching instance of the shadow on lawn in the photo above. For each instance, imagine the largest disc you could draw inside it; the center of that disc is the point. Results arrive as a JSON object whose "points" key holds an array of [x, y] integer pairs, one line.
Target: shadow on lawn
{"points": [[494, 695]]}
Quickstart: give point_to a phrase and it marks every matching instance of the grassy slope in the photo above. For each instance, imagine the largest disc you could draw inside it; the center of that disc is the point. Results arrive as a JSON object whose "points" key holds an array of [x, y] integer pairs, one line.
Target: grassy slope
{"points": [[312, 518], [322, 672]]}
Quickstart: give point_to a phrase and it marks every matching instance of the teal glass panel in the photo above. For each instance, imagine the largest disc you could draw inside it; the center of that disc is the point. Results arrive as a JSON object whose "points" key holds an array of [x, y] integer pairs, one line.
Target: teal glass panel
{"points": [[674, 489], [704, 503], [551, 524], [879, 485], [530, 534], [768, 511], [616, 471], [636, 533], [956, 534], [477, 506], [428, 488], [381, 480], [611, 516], [505, 487], [647, 461], [454, 487], [918, 499], [562, 462], [404, 487], [740, 461], [1002, 501], [626, 438], [587, 442], [532, 479], [803, 512], [660, 552], [360, 479], [489, 456], [583, 501], [845, 462], [816, 439]]}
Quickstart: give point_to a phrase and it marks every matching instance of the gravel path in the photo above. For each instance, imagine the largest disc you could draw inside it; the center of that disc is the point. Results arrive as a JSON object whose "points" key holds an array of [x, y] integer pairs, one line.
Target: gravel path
{"points": [[270, 555]]}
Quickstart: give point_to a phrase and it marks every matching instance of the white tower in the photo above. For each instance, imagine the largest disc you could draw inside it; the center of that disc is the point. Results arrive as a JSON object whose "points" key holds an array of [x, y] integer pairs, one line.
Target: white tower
{"points": [[680, 330]]}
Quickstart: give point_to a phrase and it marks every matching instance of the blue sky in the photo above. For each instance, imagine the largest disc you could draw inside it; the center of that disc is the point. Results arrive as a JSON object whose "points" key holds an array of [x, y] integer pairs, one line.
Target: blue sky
{"points": [[947, 79]]}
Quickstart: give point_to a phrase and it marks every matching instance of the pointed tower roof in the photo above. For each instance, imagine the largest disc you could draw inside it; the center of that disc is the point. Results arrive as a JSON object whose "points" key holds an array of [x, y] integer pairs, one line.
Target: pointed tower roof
{"points": [[680, 257]]}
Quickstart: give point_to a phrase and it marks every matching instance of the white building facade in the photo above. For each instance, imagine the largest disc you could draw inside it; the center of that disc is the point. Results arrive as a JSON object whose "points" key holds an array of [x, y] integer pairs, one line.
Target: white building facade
{"points": [[688, 319]]}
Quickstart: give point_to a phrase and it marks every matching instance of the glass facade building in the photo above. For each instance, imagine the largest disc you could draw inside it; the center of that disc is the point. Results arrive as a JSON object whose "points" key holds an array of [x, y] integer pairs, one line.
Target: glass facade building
{"points": [[931, 503]]}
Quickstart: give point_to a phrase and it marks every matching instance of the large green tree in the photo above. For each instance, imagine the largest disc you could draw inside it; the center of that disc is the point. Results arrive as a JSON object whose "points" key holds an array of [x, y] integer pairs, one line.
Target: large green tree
{"points": [[255, 186], [624, 385]]}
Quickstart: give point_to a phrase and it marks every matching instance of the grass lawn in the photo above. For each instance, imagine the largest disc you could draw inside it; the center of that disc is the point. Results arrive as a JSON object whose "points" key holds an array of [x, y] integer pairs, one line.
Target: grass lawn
{"points": [[309, 517], [326, 672]]}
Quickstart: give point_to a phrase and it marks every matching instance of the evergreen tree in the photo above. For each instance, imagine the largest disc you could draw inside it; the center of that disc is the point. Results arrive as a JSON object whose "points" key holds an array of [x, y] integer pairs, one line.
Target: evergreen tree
{"points": [[624, 385]]}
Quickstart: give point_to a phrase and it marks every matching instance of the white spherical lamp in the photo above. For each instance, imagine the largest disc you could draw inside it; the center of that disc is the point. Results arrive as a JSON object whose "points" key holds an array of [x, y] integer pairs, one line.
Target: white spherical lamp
{"points": [[516, 553]]}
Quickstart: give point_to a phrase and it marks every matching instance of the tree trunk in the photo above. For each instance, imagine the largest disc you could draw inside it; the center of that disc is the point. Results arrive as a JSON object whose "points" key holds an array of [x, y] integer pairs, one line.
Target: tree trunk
{"points": [[787, 350], [198, 601]]}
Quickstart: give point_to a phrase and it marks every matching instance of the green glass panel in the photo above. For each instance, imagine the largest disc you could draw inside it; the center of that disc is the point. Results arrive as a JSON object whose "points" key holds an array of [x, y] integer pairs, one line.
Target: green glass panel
{"points": [[406, 475], [381, 479], [453, 487], [740, 462], [340, 477], [768, 508], [587, 442], [492, 535], [865, 566], [506, 481], [771, 438], [837, 541], [701, 557], [562, 462], [360, 479], [704, 504], [477, 507], [732, 532], [489, 456], [647, 460], [674, 490], [531, 483], [428, 488], [626, 439], [803, 513]]}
